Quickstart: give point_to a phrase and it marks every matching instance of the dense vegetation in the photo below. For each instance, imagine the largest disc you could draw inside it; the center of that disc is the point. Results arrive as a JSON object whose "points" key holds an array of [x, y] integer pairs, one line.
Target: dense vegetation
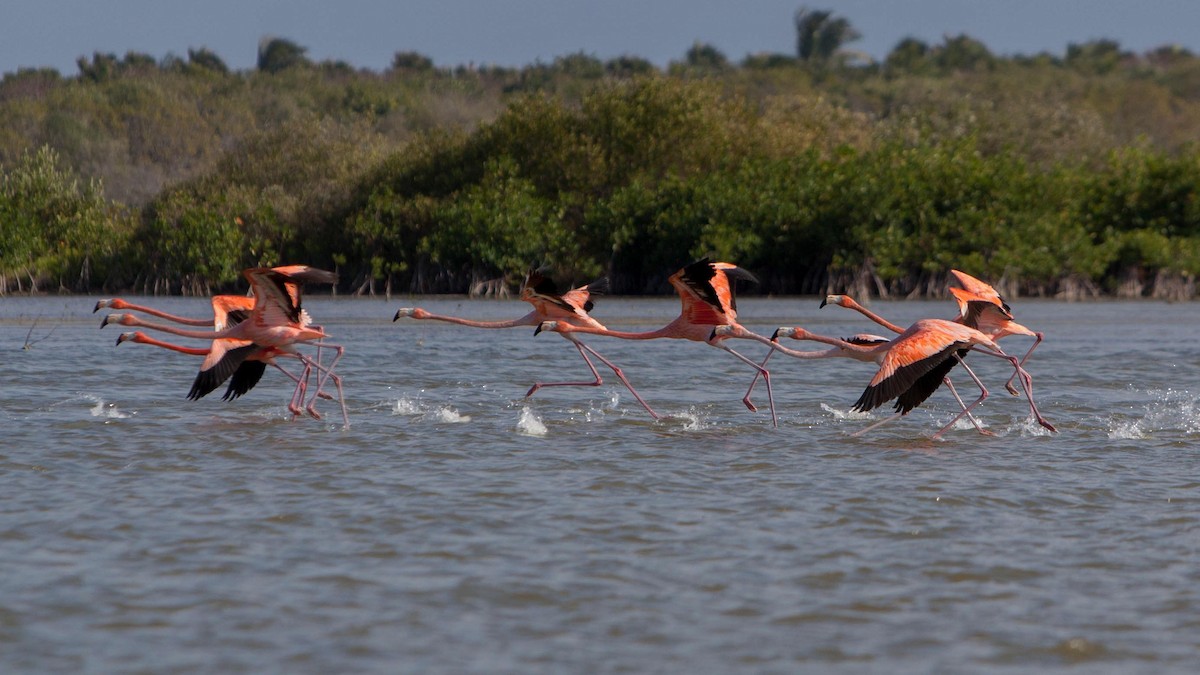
{"points": [[1072, 176]]}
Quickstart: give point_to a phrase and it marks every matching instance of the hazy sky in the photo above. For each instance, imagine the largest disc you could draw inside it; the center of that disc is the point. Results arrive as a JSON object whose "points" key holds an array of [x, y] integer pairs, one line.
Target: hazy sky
{"points": [[366, 33]]}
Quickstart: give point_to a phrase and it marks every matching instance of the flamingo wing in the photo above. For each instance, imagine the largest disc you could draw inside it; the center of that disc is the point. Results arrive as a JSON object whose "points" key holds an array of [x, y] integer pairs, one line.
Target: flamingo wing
{"points": [[222, 361], [925, 385], [981, 289], [277, 291], [706, 292], [910, 357], [230, 310], [244, 378]]}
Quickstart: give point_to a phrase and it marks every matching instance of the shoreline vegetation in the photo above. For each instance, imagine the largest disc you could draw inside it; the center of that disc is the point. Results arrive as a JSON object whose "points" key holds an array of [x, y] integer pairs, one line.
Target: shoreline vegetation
{"points": [[1070, 177]]}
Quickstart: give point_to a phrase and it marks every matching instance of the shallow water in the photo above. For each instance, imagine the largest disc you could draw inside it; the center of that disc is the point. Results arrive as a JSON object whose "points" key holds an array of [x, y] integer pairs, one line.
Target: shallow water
{"points": [[458, 527]]}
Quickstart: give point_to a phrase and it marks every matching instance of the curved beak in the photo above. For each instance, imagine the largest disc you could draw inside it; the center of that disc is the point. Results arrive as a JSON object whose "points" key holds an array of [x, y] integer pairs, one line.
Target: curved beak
{"points": [[824, 301], [397, 317], [775, 335]]}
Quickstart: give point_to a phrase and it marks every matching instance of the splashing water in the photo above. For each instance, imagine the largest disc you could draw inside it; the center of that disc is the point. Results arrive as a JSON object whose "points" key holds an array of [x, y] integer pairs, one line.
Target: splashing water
{"points": [[448, 414], [1168, 410], [105, 410], [529, 424], [406, 406], [845, 414]]}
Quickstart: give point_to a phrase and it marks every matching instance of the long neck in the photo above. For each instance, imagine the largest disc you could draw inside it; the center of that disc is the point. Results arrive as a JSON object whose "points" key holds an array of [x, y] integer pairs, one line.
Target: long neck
{"points": [[530, 319], [851, 303], [147, 340], [164, 315], [233, 332], [665, 331], [823, 354]]}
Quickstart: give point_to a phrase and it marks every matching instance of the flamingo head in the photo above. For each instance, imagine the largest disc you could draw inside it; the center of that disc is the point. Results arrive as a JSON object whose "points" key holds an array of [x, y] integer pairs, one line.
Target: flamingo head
{"points": [[123, 319], [722, 332], [791, 332], [113, 303], [133, 335], [551, 326], [414, 312]]}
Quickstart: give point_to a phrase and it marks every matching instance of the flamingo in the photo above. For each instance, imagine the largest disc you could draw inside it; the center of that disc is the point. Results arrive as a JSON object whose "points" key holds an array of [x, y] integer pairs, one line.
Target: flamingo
{"points": [[980, 307], [227, 310], [572, 306], [903, 360], [708, 303], [241, 380], [276, 322]]}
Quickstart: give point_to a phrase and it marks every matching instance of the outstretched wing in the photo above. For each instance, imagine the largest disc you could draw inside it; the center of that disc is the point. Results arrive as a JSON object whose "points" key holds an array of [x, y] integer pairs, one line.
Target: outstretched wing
{"points": [[706, 291], [244, 378], [911, 357], [221, 362], [277, 291]]}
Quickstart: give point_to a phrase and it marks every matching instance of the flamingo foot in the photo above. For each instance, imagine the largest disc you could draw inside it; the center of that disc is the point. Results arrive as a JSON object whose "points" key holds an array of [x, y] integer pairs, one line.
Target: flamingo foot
{"points": [[749, 405], [1011, 389], [535, 387], [325, 396], [312, 411], [1047, 425]]}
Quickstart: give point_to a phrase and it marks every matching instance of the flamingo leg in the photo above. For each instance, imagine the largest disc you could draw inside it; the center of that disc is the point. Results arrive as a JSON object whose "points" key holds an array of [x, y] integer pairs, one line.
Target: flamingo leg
{"points": [[983, 394], [1009, 385], [326, 373], [1026, 383], [766, 375], [616, 371], [762, 366], [889, 418], [584, 350], [950, 386]]}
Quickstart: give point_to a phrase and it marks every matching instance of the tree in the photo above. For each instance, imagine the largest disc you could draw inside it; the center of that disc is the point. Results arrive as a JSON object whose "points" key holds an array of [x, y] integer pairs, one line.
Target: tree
{"points": [[820, 35], [276, 54], [207, 59]]}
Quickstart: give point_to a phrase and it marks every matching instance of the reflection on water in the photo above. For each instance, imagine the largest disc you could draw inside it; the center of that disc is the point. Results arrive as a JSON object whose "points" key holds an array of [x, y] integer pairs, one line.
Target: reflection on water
{"points": [[459, 527]]}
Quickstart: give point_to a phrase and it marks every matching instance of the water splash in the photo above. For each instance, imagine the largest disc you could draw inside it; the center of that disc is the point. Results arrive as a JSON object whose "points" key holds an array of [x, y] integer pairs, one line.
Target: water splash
{"points": [[406, 406], [845, 414], [529, 424], [105, 410], [1167, 410], [450, 415]]}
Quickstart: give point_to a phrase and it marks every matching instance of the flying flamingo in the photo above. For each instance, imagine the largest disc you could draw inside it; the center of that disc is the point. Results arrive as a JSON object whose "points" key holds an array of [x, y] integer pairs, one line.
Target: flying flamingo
{"points": [[241, 380], [708, 303], [903, 360], [572, 306], [227, 310], [276, 322], [980, 307]]}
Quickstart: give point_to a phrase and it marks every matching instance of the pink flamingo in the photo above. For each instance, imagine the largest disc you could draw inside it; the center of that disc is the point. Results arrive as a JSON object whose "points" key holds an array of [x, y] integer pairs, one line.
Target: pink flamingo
{"points": [[980, 307], [241, 380], [227, 310], [903, 360], [708, 303], [572, 306], [276, 322]]}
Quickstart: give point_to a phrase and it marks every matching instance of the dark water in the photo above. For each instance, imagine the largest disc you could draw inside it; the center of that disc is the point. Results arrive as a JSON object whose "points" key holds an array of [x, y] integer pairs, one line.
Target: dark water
{"points": [[456, 527]]}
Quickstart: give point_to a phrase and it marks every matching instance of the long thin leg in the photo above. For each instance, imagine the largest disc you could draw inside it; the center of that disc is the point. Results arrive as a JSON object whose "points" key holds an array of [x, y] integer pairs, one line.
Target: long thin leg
{"points": [[584, 350], [1026, 383], [983, 394], [621, 376], [766, 375], [950, 386], [762, 366], [326, 373], [1037, 341], [889, 418]]}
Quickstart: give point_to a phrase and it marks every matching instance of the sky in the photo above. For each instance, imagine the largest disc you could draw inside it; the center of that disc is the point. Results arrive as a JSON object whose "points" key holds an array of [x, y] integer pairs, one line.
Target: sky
{"points": [[367, 33]]}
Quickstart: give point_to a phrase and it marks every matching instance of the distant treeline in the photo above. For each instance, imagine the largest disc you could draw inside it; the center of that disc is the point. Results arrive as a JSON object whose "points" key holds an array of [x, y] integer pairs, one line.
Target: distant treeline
{"points": [[1072, 176]]}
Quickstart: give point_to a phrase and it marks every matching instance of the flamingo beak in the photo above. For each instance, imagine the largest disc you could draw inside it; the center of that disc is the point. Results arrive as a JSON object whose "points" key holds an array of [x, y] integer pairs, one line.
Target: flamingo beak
{"points": [[397, 317], [104, 322], [537, 330], [775, 335], [824, 301]]}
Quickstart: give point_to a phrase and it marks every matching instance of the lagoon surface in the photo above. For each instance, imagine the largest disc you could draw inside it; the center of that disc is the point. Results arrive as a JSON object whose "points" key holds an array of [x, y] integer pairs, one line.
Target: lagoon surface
{"points": [[457, 527]]}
